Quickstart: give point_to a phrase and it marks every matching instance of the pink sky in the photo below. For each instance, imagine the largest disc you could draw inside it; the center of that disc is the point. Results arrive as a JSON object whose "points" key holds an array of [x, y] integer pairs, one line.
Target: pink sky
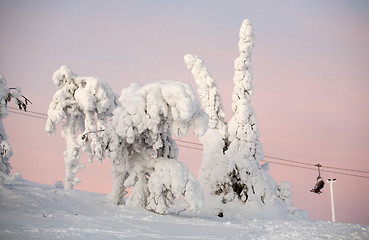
{"points": [[310, 77]]}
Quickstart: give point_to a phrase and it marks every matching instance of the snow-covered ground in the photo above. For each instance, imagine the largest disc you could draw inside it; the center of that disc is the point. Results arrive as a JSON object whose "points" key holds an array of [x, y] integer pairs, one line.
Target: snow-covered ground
{"points": [[34, 211]]}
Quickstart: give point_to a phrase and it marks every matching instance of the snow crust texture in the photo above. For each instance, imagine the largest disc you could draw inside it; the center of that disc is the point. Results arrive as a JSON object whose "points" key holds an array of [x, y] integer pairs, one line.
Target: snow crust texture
{"points": [[231, 170], [34, 211]]}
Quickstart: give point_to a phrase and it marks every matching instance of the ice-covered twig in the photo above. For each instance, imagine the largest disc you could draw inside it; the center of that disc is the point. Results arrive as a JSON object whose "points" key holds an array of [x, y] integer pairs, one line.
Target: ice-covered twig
{"points": [[22, 103]]}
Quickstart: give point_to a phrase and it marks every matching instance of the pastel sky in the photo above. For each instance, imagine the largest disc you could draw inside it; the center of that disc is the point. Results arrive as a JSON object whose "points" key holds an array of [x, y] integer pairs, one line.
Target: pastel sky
{"points": [[310, 66]]}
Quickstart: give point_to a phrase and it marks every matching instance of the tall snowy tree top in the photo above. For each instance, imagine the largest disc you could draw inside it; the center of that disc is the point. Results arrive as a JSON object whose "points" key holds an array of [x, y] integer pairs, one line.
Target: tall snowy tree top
{"points": [[243, 87], [243, 125], [157, 108], [242, 65], [208, 92], [79, 95]]}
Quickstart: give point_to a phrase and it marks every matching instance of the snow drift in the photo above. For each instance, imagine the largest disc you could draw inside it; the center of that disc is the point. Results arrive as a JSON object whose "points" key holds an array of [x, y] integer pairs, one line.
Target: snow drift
{"points": [[34, 211]]}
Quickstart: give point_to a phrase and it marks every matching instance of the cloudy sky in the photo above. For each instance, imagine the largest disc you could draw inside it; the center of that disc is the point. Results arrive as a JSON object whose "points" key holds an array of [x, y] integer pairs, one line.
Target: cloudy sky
{"points": [[310, 66]]}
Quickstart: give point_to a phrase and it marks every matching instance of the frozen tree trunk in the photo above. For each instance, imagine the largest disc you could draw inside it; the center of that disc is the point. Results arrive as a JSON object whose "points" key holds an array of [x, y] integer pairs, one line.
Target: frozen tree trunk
{"points": [[120, 174], [71, 155]]}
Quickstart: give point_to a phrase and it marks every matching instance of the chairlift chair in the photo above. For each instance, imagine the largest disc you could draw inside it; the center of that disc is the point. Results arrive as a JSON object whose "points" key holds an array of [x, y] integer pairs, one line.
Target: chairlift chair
{"points": [[319, 182]]}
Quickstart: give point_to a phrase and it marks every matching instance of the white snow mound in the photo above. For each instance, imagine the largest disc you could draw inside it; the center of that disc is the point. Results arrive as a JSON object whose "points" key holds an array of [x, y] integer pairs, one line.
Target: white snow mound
{"points": [[33, 211]]}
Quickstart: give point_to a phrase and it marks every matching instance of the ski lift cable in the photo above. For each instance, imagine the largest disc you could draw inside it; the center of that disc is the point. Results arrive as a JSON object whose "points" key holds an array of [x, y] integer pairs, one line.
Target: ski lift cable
{"points": [[347, 174], [179, 145], [37, 113], [286, 164], [30, 114], [351, 170], [327, 171], [287, 160], [180, 140]]}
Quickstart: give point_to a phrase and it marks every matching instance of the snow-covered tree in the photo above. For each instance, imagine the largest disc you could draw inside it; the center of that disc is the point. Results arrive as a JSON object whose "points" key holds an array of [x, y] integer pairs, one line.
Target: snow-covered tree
{"points": [[215, 141], [84, 103], [231, 169], [6, 95], [141, 148]]}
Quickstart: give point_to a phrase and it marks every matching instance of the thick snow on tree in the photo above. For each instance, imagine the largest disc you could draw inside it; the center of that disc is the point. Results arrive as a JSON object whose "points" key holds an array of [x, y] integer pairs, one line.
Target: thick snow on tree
{"points": [[231, 171], [142, 150], [6, 95], [84, 103], [208, 92], [215, 140]]}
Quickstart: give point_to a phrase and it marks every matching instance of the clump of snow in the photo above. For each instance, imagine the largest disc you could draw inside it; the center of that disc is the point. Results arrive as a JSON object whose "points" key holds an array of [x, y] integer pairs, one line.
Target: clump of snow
{"points": [[59, 184], [141, 148], [17, 176], [231, 172], [171, 180], [85, 103]]}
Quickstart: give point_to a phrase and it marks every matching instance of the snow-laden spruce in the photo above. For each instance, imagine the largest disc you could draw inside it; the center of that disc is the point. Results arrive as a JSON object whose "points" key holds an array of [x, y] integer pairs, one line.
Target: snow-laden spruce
{"points": [[84, 103], [144, 154], [231, 170], [6, 95], [212, 173]]}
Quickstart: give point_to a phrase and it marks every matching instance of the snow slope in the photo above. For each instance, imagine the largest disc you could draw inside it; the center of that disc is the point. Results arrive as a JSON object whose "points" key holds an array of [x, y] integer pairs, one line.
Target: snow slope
{"points": [[34, 211]]}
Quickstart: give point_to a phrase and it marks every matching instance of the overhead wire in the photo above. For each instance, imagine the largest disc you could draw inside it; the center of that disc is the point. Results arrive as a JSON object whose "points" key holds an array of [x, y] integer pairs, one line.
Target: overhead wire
{"points": [[37, 113], [28, 115], [43, 116]]}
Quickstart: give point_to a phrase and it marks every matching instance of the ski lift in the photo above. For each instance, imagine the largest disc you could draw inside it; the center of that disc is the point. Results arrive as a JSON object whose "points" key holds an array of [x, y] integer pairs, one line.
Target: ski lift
{"points": [[319, 182]]}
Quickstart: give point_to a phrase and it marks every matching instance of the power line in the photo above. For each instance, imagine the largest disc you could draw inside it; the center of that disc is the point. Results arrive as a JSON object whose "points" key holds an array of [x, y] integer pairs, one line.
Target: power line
{"points": [[200, 149]]}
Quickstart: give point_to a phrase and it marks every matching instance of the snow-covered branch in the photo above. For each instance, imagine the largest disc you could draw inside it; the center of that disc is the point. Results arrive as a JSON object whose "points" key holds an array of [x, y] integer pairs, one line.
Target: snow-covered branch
{"points": [[208, 92], [6, 95]]}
